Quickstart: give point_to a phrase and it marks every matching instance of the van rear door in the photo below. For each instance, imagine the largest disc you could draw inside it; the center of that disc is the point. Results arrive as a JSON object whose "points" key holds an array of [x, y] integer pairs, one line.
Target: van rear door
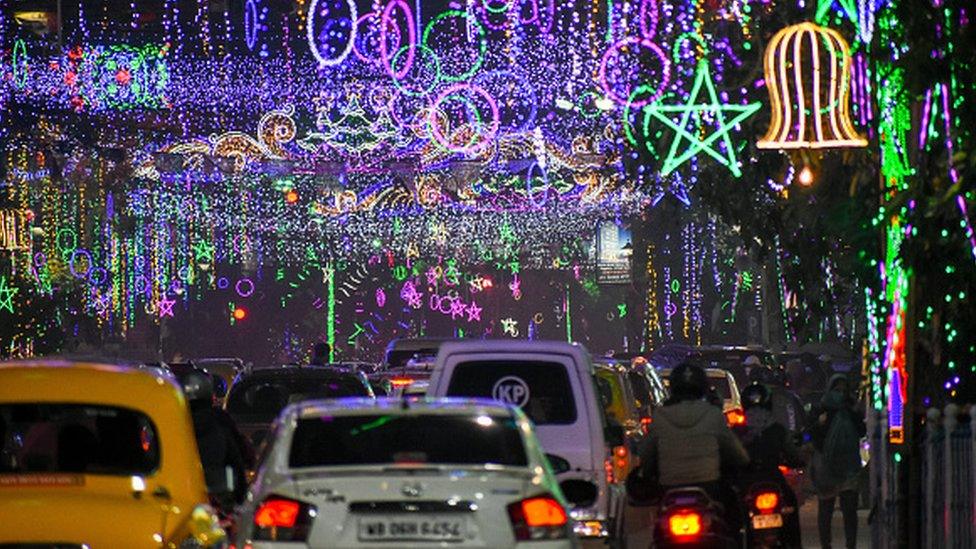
{"points": [[546, 387]]}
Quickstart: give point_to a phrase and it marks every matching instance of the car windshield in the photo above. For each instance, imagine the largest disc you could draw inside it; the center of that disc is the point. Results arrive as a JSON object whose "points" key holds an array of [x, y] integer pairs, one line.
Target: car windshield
{"points": [[406, 440], [76, 438], [541, 388], [261, 400]]}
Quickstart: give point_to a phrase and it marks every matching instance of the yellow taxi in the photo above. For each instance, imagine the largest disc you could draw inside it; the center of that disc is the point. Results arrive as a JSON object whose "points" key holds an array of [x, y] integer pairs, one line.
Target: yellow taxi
{"points": [[99, 456]]}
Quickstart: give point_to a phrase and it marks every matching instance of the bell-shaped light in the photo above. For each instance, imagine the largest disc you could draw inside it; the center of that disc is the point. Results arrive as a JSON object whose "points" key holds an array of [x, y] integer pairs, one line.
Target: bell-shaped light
{"points": [[808, 73]]}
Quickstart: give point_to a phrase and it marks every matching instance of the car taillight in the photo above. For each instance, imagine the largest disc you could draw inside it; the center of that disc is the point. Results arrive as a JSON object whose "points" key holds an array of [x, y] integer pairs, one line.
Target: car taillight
{"points": [[735, 417], [685, 524], [646, 424], [608, 468], [401, 381], [538, 518], [283, 519], [767, 501], [621, 462], [784, 469]]}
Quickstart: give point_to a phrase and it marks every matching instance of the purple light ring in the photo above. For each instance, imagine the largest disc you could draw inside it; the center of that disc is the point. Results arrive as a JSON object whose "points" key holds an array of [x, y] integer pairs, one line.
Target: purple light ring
{"points": [[411, 35], [648, 31], [487, 13], [355, 50], [643, 42], [242, 293], [71, 262], [438, 135]]}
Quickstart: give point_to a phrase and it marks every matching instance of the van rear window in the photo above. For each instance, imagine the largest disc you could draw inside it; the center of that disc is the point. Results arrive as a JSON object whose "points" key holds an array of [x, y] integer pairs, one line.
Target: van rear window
{"points": [[541, 388]]}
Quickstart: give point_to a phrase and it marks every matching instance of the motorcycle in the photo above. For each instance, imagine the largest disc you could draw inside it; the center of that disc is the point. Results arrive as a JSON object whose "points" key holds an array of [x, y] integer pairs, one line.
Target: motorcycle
{"points": [[769, 516], [689, 517]]}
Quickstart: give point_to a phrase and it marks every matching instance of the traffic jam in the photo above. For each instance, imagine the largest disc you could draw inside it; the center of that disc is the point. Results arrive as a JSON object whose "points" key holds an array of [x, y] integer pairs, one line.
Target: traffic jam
{"points": [[448, 443]]}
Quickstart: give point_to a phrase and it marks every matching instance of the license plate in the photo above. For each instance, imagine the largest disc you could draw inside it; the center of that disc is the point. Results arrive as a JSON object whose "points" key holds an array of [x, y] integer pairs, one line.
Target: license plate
{"points": [[761, 522], [411, 529]]}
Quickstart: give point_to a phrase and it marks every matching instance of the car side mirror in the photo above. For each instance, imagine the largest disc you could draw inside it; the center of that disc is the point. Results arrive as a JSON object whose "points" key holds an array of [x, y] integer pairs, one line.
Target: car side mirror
{"points": [[581, 493], [558, 464], [614, 435]]}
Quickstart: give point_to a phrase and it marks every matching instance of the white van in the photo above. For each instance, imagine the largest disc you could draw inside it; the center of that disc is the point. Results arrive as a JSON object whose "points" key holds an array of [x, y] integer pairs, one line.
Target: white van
{"points": [[552, 382]]}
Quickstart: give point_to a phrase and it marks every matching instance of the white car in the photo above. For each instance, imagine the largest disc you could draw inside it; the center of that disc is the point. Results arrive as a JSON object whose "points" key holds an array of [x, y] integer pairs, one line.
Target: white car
{"points": [[404, 473], [552, 382]]}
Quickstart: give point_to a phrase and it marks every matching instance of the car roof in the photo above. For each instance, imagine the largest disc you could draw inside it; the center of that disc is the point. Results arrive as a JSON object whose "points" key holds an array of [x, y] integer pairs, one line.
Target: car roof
{"points": [[299, 372], [358, 406], [512, 346]]}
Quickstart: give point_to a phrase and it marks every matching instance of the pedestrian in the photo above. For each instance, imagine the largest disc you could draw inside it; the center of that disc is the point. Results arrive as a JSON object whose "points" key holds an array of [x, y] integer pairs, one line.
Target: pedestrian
{"points": [[320, 354], [836, 464]]}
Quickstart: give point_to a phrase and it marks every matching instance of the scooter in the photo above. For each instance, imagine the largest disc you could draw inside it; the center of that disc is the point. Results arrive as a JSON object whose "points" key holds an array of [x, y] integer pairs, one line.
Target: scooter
{"points": [[769, 516], [689, 517]]}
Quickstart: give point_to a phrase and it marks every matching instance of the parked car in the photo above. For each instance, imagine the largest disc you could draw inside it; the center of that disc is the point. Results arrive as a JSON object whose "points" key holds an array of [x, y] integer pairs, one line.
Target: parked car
{"points": [[258, 396], [100, 456], [552, 382], [409, 379], [394, 473]]}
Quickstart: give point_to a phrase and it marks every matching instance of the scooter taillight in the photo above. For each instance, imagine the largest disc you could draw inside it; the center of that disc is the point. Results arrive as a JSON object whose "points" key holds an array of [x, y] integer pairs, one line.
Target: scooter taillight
{"points": [[685, 524], [766, 502]]}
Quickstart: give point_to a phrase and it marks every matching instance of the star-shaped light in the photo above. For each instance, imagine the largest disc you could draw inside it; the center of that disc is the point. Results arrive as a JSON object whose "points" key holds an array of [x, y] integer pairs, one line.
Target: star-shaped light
{"points": [[696, 136], [474, 312], [166, 307], [510, 326], [7, 294], [458, 308]]}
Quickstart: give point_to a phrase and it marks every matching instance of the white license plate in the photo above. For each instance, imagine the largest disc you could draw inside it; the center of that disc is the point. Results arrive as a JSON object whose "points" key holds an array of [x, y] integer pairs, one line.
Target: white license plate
{"points": [[411, 529], [761, 522]]}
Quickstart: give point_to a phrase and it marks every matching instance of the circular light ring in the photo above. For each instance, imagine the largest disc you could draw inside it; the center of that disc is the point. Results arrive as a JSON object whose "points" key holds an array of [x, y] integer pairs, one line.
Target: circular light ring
{"points": [[631, 42], [482, 42], [58, 240], [250, 24], [97, 276], [545, 188], [411, 57], [223, 283], [40, 259], [438, 134], [71, 262], [248, 287], [684, 37], [470, 125], [385, 22], [525, 85], [20, 64], [313, 45], [355, 49], [142, 285], [648, 9], [487, 12]]}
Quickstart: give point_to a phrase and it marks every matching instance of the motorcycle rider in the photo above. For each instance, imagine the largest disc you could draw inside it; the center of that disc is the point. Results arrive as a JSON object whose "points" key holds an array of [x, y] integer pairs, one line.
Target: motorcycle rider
{"points": [[220, 443], [689, 443], [770, 444]]}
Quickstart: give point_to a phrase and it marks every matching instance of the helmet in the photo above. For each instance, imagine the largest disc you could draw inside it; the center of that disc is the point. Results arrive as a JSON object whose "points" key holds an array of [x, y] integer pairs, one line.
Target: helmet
{"points": [[198, 386], [757, 394], [688, 382], [751, 360]]}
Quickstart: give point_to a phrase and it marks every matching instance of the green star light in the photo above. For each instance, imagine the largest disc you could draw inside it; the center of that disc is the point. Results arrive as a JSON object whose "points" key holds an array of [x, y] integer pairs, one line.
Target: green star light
{"points": [[7, 295], [701, 142]]}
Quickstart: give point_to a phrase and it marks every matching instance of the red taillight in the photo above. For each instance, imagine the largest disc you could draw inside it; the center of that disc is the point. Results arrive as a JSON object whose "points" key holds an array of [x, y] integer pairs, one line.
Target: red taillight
{"points": [[646, 423], [280, 513], [735, 417], [685, 524], [621, 461], [540, 517], [784, 469], [283, 519], [767, 501], [401, 381]]}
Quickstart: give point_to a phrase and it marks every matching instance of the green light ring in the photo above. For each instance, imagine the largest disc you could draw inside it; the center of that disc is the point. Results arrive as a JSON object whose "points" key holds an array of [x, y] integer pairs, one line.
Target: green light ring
{"points": [[74, 240], [437, 71], [505, 7], [628, 127], [18, 72], [690, 35], [579, 104], [482, 42], [476, 129], [477, 120]]}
